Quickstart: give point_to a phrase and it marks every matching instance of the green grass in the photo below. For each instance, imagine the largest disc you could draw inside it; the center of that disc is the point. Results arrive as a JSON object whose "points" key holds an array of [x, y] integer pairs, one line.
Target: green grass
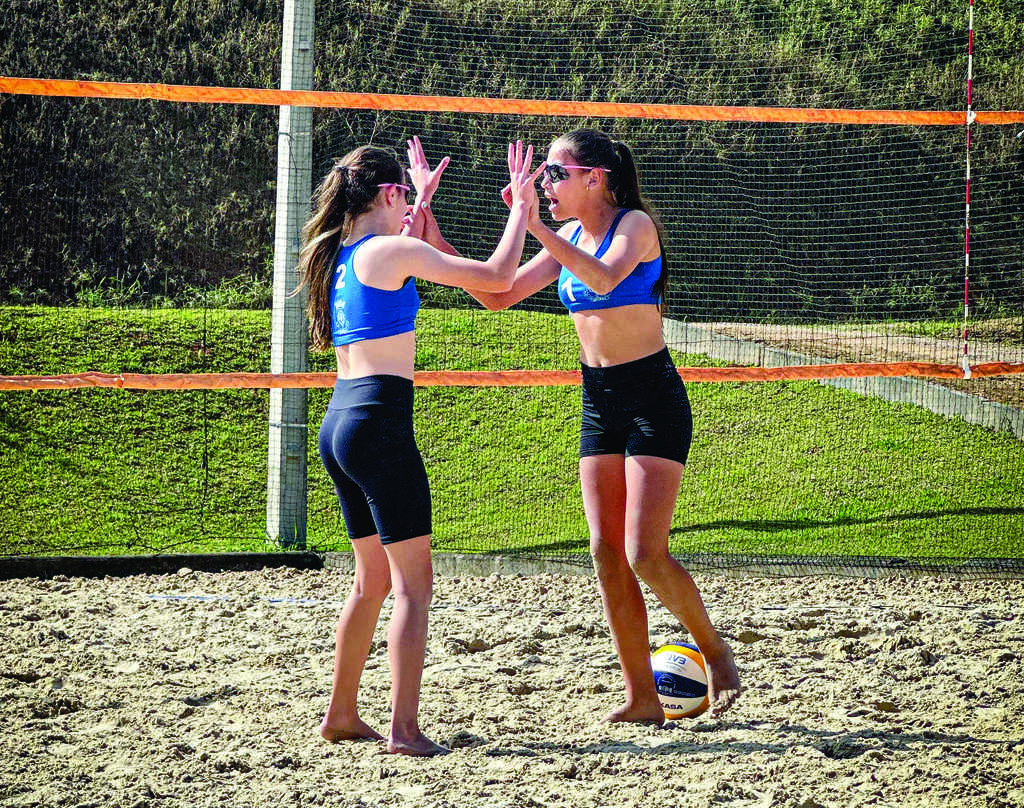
{"points": [[776, 468]]}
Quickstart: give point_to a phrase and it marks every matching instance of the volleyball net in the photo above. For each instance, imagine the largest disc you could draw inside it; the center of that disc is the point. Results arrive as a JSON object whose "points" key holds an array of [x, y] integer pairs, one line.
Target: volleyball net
{"points": [[843, 209]]}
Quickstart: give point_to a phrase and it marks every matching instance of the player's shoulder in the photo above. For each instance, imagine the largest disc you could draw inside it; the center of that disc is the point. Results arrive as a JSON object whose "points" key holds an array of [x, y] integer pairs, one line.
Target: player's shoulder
{"points": [[637, 220], [392, 248], [386, 261], [637, 227], [391, 242]]}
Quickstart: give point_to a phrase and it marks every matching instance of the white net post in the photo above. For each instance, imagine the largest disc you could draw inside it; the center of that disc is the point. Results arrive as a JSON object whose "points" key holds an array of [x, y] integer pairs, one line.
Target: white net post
{"points": [[286, 466]]}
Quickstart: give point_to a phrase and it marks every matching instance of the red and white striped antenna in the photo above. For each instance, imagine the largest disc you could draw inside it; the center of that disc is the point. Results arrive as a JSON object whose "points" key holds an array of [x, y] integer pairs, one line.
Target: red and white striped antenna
{"points": [[964, 360]]}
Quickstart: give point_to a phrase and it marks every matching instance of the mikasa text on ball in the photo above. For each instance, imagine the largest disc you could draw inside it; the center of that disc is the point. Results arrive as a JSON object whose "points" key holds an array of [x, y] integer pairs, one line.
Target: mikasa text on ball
{"points": [[681, 680]]}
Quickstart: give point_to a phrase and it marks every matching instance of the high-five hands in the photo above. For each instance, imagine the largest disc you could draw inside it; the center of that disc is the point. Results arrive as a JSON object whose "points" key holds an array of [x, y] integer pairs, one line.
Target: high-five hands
{"points": [[506, 192], [522, 186], [425, 181]]}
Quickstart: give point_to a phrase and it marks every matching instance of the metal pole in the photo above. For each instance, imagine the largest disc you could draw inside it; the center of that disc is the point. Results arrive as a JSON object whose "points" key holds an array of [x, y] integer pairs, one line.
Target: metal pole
{"points": [[286, 465]]}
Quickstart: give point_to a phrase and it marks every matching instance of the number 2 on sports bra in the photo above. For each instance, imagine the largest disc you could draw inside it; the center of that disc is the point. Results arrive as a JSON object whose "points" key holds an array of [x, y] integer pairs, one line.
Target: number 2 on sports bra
{"points": [[567, 286]]}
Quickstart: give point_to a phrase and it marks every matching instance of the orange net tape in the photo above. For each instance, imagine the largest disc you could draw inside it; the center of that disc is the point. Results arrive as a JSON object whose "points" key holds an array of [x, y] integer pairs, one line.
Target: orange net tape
{"points": [[497, 378], [514, 106]]}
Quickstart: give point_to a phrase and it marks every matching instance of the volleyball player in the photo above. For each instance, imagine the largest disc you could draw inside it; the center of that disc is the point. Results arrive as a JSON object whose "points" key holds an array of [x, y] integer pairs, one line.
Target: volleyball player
{"points": [[608, 261], [362, 300]]}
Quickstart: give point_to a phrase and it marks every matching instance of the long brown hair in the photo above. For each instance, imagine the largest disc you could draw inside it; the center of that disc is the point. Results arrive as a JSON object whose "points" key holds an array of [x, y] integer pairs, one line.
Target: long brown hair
{"points": [[348, 190], [592, 147]]}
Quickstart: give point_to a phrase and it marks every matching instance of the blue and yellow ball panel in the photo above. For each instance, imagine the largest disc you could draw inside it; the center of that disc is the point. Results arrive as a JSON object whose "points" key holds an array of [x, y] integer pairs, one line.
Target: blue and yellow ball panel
{"points": [[681, 680]]}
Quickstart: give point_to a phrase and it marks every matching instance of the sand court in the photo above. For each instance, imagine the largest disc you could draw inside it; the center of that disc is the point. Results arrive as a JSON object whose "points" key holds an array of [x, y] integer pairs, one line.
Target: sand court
{"points": [[204, 689]]}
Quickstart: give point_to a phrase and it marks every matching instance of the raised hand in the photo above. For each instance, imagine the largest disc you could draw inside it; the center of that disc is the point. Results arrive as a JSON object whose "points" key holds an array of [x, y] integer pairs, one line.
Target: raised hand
{"points": [[423, 179], [522, 185]]}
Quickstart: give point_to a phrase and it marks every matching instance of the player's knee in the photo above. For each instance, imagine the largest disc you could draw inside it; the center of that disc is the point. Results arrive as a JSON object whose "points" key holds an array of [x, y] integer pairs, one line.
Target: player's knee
{"points": [[416, 594], [606, 558], [372, 590], [648, 563]]}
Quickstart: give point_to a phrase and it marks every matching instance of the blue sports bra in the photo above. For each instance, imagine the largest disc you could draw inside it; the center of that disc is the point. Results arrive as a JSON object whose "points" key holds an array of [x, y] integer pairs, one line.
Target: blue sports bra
{"points": [[361, 312], [634, 288]]}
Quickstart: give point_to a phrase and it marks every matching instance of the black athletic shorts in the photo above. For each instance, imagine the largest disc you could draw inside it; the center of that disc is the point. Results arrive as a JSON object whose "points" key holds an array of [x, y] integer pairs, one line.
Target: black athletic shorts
{"points": [[369, 451], [636, 408]]}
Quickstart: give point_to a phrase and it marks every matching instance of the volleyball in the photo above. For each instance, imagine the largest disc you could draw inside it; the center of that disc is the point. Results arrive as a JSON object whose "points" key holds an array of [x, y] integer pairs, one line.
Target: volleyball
{"points": [[681, 680]]}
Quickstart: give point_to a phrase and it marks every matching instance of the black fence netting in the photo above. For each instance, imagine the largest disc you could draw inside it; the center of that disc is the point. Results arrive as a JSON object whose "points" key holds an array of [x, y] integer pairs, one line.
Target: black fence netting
{"points": [[137, 236]]}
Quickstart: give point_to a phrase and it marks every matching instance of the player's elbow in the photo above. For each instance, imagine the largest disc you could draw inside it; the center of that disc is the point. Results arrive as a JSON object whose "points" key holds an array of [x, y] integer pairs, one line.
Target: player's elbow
{"points": [[495, 285], [606, 284], [493, 294], [500, 278], [489, 300], [506, 282], [495, 304]]}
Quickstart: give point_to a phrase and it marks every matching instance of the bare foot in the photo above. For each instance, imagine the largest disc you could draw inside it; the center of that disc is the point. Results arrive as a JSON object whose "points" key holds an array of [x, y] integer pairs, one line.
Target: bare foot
{"points": [[420, 746], [356, 731], [723, 681], [636, 713]]}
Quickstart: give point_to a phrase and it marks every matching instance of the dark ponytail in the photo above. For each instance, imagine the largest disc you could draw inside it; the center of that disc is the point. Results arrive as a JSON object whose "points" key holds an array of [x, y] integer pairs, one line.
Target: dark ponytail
{"points": [[592, 147], [348, 191]]}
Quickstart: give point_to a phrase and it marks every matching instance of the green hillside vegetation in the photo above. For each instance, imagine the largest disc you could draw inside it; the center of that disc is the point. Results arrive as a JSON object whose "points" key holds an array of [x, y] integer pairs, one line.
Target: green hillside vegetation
{"points": [[144, 203]]}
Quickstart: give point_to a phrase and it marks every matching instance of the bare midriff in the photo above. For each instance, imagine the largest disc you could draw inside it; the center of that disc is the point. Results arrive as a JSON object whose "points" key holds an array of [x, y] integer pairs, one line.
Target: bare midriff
{"points": [[385, 356], [617, 335]]}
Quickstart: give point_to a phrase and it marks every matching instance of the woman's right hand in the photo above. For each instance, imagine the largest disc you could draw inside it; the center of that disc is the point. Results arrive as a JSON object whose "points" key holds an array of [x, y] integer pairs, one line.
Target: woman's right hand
{"points": [[522, 187], [423, 179]]}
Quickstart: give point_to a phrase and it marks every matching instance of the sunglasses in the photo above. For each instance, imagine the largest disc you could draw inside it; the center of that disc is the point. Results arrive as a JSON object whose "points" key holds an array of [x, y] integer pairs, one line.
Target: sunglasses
{"points": [[404, 188], [557, 173]]}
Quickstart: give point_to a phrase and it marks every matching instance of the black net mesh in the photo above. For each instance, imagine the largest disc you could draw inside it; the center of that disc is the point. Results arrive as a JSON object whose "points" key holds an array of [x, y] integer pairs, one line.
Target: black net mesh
{"points": [[137, 236]]}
